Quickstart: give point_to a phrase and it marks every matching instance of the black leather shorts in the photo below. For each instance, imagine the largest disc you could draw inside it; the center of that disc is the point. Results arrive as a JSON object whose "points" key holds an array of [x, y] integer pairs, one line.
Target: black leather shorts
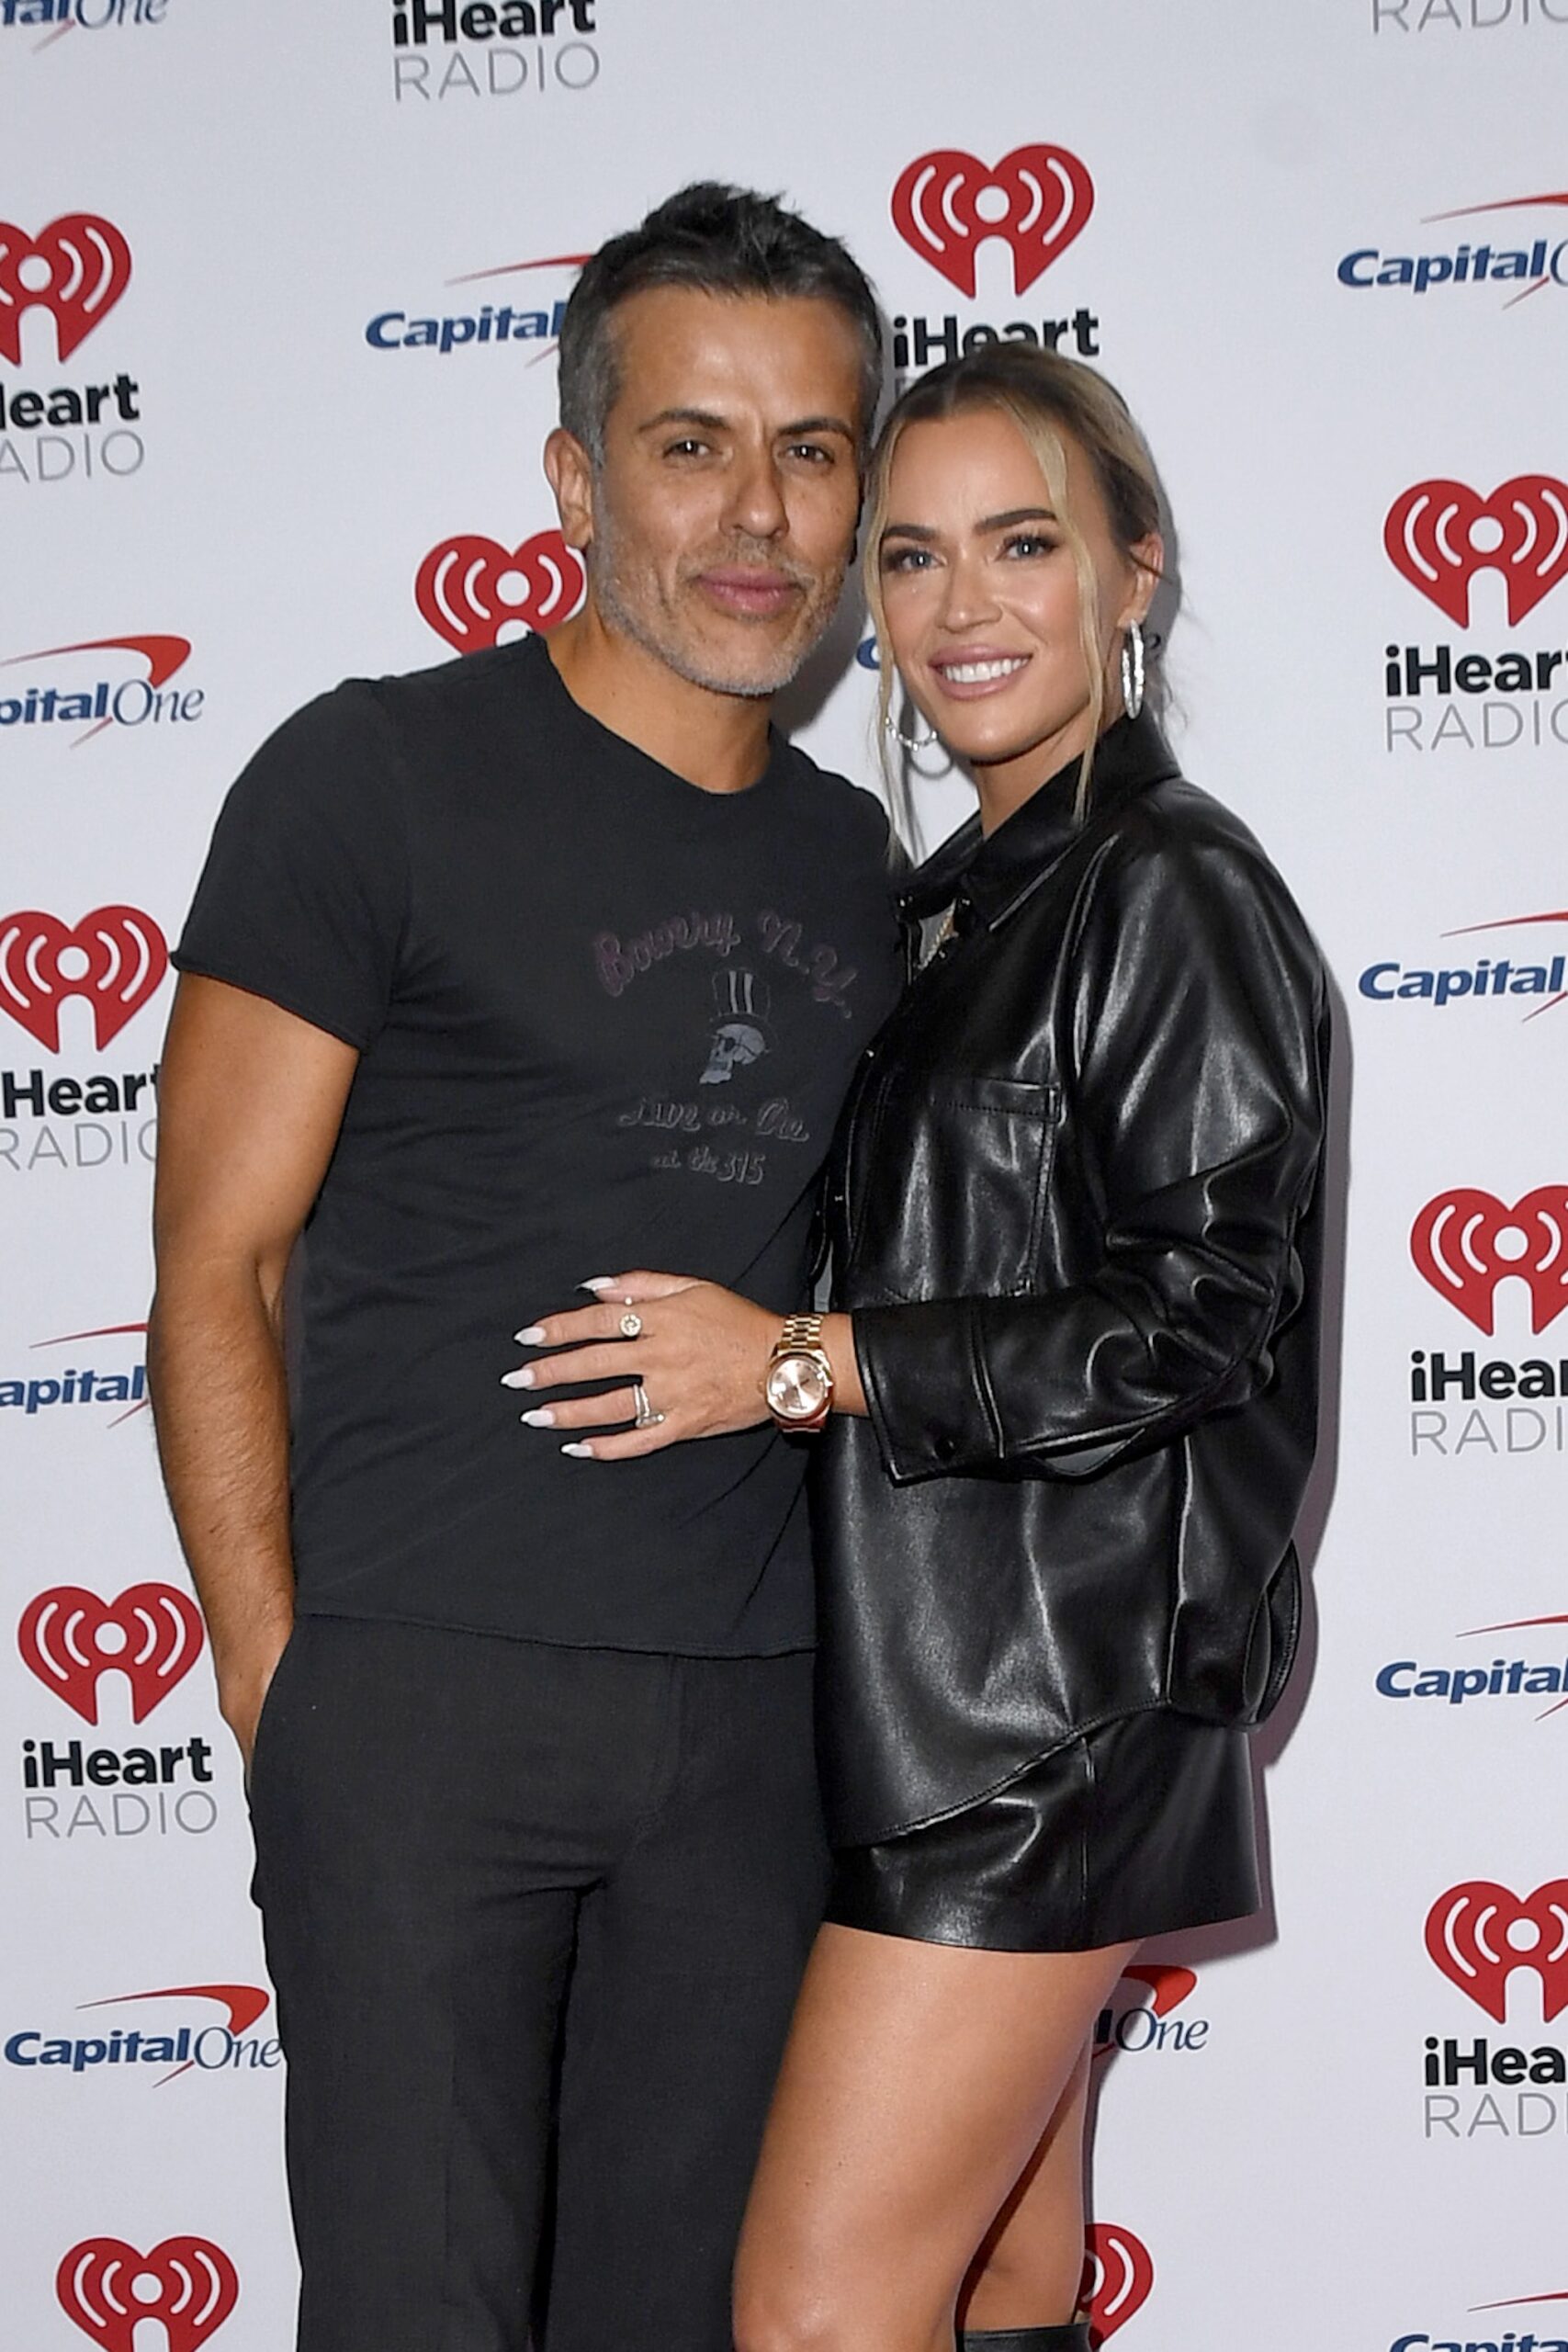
{"points": [[1141, 1827]]}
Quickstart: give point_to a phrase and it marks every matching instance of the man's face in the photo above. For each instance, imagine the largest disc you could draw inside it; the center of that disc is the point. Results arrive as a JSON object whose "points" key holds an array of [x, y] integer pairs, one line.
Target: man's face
{"points": [[723, 515]]}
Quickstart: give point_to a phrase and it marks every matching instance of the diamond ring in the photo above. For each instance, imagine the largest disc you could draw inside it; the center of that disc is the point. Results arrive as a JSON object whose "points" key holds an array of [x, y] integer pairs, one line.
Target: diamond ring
{"points": [[647, 1418]]}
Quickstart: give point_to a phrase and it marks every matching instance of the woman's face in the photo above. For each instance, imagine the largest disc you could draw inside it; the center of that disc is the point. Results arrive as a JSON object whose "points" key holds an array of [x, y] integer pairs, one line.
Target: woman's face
{"points": [[981, 592]]}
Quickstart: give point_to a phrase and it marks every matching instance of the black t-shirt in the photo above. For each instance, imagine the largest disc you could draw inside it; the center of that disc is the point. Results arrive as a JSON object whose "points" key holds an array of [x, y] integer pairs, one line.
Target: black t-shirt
{"points": [[604, 1020]]}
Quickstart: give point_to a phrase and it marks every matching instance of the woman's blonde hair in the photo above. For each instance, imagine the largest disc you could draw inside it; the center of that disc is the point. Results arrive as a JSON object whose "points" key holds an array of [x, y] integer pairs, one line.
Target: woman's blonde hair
{"points": [[1046, 396]]}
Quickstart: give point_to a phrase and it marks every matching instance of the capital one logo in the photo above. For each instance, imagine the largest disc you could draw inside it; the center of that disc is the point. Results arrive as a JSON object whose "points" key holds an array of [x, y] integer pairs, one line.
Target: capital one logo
{"points": [[1037, 199], [1465, 1242], [76, 269], [130, 704], [71, 1639], [211, 2048], [1440, 533], [1521, 2303], [189, 2285], [1118, 2277], [1478, 1934], [476, 593], [115, 957], [1149, 2023]]}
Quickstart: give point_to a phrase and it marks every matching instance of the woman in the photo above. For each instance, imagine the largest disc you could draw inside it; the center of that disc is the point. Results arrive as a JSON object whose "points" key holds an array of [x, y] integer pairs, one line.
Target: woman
{"points": [[1068, 1389]]}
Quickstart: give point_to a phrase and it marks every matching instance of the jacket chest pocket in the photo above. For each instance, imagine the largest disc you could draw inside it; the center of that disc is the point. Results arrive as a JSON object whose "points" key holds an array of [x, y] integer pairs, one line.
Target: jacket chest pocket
{"points": [[953, 1183]]}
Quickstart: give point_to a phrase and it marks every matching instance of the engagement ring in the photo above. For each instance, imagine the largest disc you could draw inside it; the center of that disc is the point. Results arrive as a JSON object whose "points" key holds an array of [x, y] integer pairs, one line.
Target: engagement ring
{"points": [[647, 1418]]}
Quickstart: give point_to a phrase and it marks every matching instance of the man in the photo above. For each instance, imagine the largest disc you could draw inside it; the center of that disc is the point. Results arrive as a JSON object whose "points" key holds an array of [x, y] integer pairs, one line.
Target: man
{"points": [[535, 965]]}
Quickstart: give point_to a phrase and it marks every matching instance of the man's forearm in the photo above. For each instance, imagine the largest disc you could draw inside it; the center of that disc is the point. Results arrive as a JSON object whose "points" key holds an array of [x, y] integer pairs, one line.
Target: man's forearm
{"points": [[215, 1368]]}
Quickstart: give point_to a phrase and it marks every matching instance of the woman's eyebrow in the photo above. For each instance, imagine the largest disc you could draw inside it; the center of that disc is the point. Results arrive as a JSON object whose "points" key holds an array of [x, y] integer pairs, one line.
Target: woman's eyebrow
{"points": [[1016, 514], [986, 523]]}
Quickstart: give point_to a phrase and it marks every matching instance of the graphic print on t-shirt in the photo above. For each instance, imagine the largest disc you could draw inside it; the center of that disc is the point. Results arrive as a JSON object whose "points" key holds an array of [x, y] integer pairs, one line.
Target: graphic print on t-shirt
{"points": [[767, 975], [740, 1037]]}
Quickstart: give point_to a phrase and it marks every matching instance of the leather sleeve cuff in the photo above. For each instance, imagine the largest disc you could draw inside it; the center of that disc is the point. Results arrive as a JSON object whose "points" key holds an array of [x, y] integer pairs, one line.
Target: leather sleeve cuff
{"points": [[926, 1390]]}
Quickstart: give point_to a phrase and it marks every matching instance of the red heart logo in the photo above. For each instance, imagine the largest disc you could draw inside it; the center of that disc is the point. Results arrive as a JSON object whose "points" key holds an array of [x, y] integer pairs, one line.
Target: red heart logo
{"points": [[1478, 1934], [1464, 1242], [109, 2289], [947, 203], [69, 1637], [1440, 533], [1118, 2276], [118, 955], [471, 589], [77, 268]]}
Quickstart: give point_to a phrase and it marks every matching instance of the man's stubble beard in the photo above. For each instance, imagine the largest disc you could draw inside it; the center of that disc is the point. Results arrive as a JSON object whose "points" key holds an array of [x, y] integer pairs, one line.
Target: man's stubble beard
{"points": [[614, 582]]}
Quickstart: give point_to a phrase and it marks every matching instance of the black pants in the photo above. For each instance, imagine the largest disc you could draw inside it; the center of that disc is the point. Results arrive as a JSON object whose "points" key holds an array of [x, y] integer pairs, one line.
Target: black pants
{"points": [[515, 1894]]}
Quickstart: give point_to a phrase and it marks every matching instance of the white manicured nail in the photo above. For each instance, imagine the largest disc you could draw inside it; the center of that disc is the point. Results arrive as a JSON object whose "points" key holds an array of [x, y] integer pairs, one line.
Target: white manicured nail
{"points": [[598, 1282], [534, 1337], [522, 1378], [579, 1452], [541, 1417]]}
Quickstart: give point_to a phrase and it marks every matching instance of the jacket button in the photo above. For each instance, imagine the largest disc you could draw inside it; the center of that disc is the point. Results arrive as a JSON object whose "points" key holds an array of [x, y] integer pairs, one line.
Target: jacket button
{"points": [[944, 1449]]}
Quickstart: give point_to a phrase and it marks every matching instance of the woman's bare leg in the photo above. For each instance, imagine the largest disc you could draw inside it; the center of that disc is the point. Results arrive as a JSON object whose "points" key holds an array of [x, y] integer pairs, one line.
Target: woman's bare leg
{"points": [[918, 2083], [1031, 2259]]}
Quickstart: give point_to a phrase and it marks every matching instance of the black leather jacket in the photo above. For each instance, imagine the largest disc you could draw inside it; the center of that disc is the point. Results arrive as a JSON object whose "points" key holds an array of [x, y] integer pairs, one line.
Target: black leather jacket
{"points": [[1074, 1215]]}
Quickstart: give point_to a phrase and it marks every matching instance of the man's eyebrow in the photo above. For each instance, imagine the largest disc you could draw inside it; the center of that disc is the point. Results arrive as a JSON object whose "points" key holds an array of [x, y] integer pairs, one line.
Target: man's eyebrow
{"points": [[703, 416], [818, 424], [711, 421]]}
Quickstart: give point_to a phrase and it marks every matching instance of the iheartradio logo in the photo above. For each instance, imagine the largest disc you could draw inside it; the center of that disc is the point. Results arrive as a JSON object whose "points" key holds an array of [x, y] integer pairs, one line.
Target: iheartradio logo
{"points": [[1465, 1242], [1481, 1933], [1118, 2277], [189, 2285], [76, 269], [71, 1638], [115, 958], [477, 593], [1440, 533], [1037, 199]]}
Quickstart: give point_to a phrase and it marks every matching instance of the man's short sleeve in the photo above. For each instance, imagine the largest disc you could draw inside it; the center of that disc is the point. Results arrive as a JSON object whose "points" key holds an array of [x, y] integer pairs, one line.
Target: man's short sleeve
{"points": [[304, 893]]}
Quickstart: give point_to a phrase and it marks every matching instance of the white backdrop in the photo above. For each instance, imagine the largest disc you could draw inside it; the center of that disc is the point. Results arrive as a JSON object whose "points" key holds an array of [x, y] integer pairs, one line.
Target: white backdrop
{"points": [[1322, 248]]}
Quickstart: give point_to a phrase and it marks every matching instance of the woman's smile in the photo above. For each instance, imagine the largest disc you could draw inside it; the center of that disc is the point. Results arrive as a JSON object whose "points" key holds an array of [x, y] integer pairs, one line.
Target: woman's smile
{"points": [[970, 672]]}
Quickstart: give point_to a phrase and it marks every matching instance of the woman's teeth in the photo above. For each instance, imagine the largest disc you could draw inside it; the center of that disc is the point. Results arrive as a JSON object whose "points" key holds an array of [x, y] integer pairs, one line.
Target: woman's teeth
{"points": [[979, 674]]}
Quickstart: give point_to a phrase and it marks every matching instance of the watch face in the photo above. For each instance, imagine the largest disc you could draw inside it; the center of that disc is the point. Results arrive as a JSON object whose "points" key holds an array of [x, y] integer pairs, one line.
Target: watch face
{"points": [[797, 1387]]}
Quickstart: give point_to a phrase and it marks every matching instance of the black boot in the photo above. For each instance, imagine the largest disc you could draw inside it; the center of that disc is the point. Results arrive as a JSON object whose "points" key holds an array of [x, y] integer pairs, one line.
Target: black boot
{"points": [[1028, 2340]]}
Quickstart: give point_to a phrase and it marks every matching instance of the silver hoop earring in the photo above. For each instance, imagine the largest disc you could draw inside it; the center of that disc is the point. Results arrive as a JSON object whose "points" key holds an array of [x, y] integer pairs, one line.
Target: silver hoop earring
{"points": [[910, 743], [1133, 669]]}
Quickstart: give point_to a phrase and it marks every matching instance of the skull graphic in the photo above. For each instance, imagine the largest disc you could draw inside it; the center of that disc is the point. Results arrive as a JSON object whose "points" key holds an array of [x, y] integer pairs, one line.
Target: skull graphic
{"points": [[740, 1001], [735, 1044]]}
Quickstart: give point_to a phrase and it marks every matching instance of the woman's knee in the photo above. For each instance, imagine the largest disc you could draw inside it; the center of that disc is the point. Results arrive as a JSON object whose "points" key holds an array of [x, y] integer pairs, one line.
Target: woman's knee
{"points": [[817, 2316], [773, 2319]]}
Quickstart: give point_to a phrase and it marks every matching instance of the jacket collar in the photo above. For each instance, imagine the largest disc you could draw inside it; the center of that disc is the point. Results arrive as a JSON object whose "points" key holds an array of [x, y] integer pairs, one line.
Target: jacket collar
{"points": [[984, 880]]}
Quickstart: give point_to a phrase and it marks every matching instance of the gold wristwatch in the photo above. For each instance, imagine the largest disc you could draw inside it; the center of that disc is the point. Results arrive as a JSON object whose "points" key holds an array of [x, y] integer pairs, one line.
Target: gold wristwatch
{"points": [[798, 1383]]}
